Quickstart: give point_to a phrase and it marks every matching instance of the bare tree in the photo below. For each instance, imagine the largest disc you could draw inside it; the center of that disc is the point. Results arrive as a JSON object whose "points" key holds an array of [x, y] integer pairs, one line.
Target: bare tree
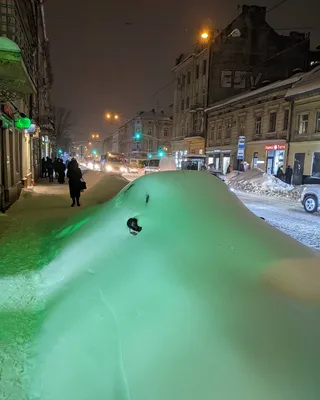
{"points": [[63, 124]]}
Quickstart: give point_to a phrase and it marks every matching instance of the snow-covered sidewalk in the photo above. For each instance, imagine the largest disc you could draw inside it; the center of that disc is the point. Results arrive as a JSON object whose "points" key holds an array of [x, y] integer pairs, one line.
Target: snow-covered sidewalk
{"points": [[28, 229]]}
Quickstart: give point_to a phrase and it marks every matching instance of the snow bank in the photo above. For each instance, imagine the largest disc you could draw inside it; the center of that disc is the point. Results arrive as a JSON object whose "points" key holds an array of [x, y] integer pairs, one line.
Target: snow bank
{"points": [[102, 187], [257, 181]]}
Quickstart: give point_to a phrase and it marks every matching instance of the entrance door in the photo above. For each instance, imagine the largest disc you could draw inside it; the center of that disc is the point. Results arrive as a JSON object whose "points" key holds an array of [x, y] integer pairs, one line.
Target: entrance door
{"points": [[298, 168]]}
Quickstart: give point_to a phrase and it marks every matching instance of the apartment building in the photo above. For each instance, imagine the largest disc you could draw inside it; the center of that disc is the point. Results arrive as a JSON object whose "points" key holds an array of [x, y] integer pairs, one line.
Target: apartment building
{"points": [[145, 134], [25, 83], [280, 123]]}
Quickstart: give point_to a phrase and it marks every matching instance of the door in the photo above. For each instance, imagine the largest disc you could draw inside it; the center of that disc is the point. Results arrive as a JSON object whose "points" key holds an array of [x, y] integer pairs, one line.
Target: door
{"points": [[298, 168]]}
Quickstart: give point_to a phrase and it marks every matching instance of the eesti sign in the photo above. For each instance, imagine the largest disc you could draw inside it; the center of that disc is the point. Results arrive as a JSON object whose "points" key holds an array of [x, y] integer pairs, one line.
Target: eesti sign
{"points": [[241, 147]]}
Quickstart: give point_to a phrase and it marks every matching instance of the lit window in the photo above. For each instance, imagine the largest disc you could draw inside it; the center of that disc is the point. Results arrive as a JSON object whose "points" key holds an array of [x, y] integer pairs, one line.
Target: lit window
{"points": [[303, 121]]}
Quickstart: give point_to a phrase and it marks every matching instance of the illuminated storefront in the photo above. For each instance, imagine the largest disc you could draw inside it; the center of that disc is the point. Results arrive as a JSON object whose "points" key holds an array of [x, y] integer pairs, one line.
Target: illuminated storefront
{"points": [[266, 155]]}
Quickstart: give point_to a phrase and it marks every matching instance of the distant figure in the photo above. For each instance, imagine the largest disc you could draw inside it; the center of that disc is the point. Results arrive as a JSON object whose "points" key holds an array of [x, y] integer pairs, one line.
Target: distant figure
{"points": [[229, 169], [50, 169], [74, 175], [61, 168], [289, 172], [54, 164], [280, 173], [43, 168]]}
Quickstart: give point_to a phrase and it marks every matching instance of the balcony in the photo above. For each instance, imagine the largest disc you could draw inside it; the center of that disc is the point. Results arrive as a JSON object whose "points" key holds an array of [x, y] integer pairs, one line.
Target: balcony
{"points": [[15, 82]]}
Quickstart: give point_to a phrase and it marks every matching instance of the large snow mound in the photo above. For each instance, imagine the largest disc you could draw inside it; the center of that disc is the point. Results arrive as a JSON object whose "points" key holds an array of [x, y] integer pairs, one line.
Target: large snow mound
{"points": [[121, 316], [257, 181]]}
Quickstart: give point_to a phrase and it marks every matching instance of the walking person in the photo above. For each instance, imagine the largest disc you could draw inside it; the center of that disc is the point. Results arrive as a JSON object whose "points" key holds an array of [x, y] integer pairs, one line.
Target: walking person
{"points": [[54, 164], [43, 168], [61, 168], [288, 174], [50, 169], [74, 175]]}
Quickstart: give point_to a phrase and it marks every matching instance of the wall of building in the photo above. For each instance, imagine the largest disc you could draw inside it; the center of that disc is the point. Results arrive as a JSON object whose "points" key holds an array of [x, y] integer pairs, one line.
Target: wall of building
{"points": [[239, 62]]}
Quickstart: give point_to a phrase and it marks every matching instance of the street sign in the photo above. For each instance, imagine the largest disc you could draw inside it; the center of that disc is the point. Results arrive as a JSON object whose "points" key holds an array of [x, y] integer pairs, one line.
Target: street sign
{"points": [[241, 147]]}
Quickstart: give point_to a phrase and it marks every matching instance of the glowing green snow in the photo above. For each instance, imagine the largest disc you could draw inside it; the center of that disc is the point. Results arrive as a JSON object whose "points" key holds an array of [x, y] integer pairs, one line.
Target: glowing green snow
{"points": [[178, 312]]}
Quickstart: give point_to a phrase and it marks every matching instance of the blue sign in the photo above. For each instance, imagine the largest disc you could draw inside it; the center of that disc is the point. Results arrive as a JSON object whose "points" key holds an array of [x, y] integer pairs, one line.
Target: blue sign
{"points": [[241, 147]]}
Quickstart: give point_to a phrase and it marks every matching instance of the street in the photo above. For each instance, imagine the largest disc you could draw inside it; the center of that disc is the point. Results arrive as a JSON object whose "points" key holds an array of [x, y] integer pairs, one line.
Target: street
{"points": [[287, 216]]}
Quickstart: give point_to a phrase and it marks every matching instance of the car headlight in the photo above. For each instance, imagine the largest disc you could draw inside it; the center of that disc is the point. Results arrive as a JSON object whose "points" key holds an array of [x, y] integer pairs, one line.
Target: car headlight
{"points": [[109, 168], [90, 165]]}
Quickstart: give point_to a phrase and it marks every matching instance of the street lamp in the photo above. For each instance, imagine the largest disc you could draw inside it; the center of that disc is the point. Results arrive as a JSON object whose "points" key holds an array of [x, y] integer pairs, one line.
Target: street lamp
{"points": [[204, 35]]}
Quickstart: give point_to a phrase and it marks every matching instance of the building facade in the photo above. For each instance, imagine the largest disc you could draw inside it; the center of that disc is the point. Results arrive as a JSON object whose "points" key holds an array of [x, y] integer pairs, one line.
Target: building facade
{"points": [[249, 52], [25, 82], [246, 55], [190, 100], [280, 123], [145, 135]]}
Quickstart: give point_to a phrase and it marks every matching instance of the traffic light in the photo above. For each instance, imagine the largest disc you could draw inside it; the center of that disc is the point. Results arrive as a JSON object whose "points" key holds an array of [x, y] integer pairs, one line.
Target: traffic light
{"points": [[94, 151], [60, 151], [23, 123], [137, 136], [161, 153], [149, 155]]}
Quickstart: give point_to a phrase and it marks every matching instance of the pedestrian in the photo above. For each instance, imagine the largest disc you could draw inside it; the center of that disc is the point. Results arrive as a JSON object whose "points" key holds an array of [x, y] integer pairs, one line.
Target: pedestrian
{"points": [[280, 173], [289, 172], [61, 168], [43, 168], [74, 175], [228, 169], [50, 169], [54, 164]]}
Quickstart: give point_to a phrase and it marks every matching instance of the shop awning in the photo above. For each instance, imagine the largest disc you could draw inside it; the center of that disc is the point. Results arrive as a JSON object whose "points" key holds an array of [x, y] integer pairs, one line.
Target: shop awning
{"points": [[15, 82]]}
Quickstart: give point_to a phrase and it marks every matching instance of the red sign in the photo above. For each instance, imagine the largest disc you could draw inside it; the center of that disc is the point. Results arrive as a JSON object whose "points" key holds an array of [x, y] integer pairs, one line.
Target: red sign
{"points": [[7, 110], [268, 147]]}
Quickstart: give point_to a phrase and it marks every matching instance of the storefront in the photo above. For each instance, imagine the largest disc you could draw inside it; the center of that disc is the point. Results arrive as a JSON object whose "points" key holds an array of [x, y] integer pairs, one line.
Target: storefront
{"points": [[221, 158], [304, 158], [266, 155]]}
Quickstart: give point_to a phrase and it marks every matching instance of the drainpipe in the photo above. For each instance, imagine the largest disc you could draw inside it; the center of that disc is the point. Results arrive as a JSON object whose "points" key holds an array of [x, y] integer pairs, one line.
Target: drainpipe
{"points": [[289, 137]]}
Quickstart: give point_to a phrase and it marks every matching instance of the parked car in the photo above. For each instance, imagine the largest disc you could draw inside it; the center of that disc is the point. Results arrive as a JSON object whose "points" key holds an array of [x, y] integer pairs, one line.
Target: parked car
{"points": [[313, 179], [310, 198]]}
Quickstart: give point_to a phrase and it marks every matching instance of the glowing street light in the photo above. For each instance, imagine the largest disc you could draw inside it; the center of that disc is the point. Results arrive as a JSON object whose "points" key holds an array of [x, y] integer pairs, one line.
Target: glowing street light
{"points": [[204, 35], [116, 116], [90, 143], [110, 116]]}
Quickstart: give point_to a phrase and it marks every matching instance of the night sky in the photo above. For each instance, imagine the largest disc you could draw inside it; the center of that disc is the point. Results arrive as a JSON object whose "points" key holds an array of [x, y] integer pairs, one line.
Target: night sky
{"points": [[101, 64]]}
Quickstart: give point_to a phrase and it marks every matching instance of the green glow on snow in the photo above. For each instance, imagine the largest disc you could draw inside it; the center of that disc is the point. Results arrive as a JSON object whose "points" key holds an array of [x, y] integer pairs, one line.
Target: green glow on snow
{"points": [[178, 312]]}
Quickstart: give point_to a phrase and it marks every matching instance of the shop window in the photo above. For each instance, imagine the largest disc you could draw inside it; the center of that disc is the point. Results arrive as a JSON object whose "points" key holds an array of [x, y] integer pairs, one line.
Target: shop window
{"points": [[303, 121], [286, 120], [257, 130], [272, 121], [316, 163], [318, 122], [228, 129], [255, 160]]}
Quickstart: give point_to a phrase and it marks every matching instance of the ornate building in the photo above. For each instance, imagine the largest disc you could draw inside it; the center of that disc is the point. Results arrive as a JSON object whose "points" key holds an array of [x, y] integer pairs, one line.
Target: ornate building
{"points": [[25, 83]]}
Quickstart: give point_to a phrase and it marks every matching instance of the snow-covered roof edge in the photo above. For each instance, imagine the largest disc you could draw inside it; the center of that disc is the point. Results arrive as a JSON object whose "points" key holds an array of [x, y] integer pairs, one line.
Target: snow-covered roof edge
{"points": [[254, 93], [309, 83]]}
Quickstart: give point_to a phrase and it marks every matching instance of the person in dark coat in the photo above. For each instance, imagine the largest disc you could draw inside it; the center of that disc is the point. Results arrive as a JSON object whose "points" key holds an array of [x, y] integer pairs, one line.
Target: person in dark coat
{"points": [[43, 168], [55, 162], [280, 173], [289, 172], [61, 168], [74, 175], [50, 169]]}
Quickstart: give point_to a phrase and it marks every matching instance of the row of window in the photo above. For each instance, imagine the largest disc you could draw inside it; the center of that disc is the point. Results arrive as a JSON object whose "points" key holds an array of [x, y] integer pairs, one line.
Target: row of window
{"points": [[185, 79], [150, 131], [186, 104]]}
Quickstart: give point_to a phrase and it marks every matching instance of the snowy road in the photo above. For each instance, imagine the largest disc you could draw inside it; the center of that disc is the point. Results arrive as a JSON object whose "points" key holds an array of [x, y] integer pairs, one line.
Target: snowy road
{"points": [[287, 216]]}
